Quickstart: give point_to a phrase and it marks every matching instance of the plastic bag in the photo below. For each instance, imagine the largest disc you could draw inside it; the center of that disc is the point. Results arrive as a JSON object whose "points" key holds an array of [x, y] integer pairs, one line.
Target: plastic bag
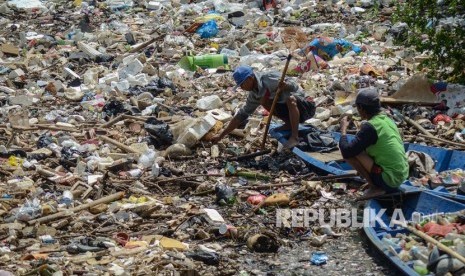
{"points": [[44, 141], [160, 131], [208, 29], [113, 108], [319, 258], [209, 258], [225, 193], [155, 87], [321, 142], [30, 210]]}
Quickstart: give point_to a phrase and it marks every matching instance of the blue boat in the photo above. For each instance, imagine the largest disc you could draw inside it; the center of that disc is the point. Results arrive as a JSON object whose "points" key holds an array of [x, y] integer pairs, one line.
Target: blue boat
{"points": [[423, 202], [411, 199], [333, 163]]}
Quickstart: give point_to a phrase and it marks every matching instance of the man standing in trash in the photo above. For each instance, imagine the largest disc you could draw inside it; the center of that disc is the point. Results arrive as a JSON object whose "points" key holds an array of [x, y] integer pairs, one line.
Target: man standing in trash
{"points": [[292, 106], [377, 152]]}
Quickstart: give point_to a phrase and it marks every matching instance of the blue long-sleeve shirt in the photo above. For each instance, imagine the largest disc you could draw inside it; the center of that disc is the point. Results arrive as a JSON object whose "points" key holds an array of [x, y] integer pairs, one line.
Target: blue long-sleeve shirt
{"points": [[366, 137]]}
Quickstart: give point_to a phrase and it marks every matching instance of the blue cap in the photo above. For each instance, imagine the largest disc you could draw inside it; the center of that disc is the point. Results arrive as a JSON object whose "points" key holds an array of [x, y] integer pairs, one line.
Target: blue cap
{"points": [[241, 74]]}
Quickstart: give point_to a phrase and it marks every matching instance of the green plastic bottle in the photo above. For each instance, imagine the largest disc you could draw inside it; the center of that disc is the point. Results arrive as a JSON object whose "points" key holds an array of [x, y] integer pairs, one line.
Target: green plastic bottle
{"points": [[210, 61], [422, 270]]}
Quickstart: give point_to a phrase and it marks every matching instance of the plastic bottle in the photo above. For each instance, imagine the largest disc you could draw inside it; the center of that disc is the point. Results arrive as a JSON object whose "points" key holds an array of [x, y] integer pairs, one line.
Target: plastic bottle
{"points": [[210, 61], [67, 198], [146, 160], [420, 267], [229, 53], [135, 172], [420, 253], [458, 136], [155, 170]]}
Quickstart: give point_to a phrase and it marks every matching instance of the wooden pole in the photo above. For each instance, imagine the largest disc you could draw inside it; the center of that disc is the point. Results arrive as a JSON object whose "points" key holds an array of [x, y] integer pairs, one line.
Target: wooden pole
{"points": [[419, 127], [143, 45], [275, 101], [118, 144], [172, 179], [113, 121], [250, 155], [107, 199], [57, 128], [461, 145]]}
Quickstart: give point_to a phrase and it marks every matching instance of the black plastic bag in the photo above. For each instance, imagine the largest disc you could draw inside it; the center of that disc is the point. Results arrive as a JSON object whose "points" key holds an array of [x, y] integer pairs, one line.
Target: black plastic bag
{"points": [[44, 141], [225, 193], [113, 108], [160, 132], [209, 258]]}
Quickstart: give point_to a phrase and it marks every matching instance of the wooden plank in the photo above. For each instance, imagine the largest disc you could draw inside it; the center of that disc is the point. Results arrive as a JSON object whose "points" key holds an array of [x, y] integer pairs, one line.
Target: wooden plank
{"points": [[326, 156]]}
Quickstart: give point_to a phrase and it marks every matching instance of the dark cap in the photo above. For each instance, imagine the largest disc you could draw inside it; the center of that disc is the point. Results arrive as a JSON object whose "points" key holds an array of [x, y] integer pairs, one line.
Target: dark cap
{"points": [[368, 97]]}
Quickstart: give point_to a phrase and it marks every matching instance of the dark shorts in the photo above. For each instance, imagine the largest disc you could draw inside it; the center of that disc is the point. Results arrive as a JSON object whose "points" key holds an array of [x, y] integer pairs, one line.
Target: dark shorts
{"points": [[306, 109], [378, 181]]}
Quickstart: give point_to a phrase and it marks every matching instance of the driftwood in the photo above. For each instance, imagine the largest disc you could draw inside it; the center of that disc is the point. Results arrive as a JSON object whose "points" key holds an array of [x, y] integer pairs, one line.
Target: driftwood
{"points": [[461, 145], [116, 143], [173, 179], [418, 127], [113, 121], [107, 199], [250, 155]]}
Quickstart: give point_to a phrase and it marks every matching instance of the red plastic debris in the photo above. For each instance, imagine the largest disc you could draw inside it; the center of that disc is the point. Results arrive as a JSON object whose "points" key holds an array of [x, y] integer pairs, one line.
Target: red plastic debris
{"points": [[441, 118], [434, 229], [256, 199]]}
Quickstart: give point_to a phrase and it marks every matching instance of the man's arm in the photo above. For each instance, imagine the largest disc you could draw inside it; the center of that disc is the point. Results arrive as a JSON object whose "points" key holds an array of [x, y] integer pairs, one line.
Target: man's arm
{"points": [[366, 137], [233, 124], [248, 109]]}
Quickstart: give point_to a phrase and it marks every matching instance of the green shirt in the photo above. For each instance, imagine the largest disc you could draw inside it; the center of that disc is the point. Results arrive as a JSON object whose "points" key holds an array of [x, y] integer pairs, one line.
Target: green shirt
{"points": [[389, 151]]}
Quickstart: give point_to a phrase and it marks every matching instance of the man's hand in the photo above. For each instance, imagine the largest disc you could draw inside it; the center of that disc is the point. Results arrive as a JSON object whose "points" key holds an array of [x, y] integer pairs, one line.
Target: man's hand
{"points": [[344, 124], [216, 138]]}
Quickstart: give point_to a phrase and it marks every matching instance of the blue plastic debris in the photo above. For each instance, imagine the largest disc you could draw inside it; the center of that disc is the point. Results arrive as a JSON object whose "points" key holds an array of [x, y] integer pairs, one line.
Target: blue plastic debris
{"points": [[319, 258], [208, 29]]}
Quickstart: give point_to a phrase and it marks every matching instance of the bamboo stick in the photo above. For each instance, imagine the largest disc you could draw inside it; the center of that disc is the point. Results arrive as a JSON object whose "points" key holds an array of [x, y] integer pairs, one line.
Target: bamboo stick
{"points": [[461, 145], [250, 155], [107, 199], [275, 101], [113, 121], [418, 127], [117, 144]]}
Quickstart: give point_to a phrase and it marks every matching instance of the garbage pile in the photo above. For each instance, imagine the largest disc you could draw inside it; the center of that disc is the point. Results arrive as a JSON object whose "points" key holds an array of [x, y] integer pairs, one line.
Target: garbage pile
{"points": [[108, 108], [431, 259]]}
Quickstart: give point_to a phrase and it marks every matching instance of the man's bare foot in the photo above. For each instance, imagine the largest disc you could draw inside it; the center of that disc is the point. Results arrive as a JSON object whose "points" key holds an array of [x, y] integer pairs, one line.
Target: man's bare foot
{"points": [[291, 142], [283, 127], [372, 192]]}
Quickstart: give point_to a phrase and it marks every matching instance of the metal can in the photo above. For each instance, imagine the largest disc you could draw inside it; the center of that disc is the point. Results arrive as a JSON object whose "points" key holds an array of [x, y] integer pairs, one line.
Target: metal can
{"points": [[227, 230]]}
